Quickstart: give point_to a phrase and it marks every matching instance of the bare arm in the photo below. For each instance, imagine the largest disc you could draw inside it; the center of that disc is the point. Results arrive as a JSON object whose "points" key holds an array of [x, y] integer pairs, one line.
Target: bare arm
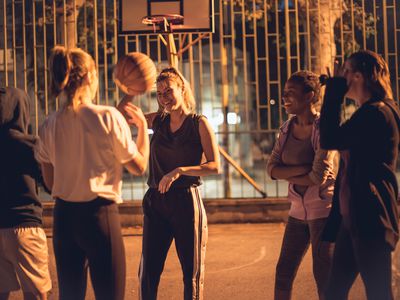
{"points": [[48, 175], [211, 166], [210, 148], [128, 99], [134, 115]]}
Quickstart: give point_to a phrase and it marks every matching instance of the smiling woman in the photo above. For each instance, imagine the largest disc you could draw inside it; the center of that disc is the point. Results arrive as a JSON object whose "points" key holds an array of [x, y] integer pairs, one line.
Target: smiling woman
{"points": [[310, 171], [173, 90], [172, 205]]}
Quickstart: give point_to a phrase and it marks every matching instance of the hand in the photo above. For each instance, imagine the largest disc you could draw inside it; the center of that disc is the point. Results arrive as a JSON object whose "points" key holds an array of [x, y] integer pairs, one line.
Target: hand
{"points": [[123, 103], [167, 180], [337, 70], [134, 115]]}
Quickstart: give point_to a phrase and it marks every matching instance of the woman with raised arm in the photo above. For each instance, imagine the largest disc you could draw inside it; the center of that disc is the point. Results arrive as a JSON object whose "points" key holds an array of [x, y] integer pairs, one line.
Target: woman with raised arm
{"points": [[83, 149], [364, 217], [172, 205], [310, 171]]}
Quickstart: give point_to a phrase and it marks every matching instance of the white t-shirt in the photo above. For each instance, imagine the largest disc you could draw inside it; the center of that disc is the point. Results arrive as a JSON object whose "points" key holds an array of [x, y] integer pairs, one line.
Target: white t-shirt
{"points": [[87, 148]]}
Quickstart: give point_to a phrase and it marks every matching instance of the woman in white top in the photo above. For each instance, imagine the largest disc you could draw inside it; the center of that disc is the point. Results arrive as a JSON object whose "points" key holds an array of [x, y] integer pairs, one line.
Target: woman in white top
{"points": [[82, 151]]}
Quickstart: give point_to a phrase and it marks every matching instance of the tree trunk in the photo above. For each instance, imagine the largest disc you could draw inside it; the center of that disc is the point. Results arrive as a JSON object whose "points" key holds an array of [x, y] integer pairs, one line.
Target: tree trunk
{"points": [[323, 15], [69, 32]]}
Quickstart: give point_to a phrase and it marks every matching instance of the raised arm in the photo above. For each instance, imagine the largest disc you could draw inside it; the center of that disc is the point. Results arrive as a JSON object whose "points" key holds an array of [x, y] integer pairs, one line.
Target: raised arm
{"points": [[138, 164]]}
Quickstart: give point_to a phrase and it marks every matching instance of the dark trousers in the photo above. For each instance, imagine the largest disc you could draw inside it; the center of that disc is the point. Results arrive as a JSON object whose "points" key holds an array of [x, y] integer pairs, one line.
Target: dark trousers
{"points": [[372, 259], [179, 214], [298, 236], [88, 234]]}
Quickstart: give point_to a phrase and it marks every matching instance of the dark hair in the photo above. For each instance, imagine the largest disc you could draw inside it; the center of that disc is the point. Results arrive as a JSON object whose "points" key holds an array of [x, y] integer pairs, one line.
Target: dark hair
{"points": [[68, 67], [309, 81], [375, 71]]}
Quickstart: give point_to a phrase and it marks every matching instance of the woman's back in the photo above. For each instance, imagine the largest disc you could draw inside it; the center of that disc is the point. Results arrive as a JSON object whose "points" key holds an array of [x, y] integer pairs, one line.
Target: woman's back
{"points": [[87, 148]]}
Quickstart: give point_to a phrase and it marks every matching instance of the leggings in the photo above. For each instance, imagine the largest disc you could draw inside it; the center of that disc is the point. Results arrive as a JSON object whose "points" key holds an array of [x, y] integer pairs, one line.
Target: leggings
{"points": [[88, 234], [296, 240], [369, 258], [179, 214]]}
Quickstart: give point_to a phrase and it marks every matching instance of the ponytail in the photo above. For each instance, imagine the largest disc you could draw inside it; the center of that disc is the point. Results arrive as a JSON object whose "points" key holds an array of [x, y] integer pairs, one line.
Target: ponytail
{"points": [[60, 68], [68, 68]]}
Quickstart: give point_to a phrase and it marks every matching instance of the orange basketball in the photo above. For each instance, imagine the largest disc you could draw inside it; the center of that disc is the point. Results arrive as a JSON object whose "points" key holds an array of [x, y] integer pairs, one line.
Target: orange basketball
{"points": [[135, 73]]}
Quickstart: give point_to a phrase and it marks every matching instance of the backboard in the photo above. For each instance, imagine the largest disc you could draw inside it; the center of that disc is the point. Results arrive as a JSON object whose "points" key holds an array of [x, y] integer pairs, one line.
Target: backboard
{"points": [[198, 15]]}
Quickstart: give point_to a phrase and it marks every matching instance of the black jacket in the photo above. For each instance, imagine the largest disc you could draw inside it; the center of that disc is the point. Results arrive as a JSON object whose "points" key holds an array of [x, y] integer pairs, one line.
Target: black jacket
{"points": [[371, 136], [19, 203]]}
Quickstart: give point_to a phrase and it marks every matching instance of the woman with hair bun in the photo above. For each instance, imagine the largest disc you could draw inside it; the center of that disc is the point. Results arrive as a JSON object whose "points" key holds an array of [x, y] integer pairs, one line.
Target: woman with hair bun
{"points": [[172, 205], [364, 217], [310, 171], [83, 148]]}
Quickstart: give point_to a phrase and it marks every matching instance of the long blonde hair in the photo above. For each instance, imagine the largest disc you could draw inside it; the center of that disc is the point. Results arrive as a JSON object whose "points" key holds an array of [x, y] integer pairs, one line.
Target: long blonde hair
{"points": [[172, 73], [68, 68]]}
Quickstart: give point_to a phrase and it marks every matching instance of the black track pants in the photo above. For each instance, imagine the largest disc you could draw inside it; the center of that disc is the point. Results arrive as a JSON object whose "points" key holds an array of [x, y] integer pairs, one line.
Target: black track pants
{"points": [[179, 214]]}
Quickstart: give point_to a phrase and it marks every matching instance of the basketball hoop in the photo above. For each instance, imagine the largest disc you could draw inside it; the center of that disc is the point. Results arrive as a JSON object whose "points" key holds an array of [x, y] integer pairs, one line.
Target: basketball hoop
{"points": [[164, 22]]}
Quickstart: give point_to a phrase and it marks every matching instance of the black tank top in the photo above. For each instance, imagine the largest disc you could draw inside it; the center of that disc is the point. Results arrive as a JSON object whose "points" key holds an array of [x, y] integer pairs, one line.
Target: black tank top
{"points": [[169, 150]]}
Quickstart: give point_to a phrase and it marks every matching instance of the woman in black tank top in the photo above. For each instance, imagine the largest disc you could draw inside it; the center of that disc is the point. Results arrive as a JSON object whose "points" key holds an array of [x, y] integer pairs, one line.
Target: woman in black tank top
{"points": [[172, 206]]}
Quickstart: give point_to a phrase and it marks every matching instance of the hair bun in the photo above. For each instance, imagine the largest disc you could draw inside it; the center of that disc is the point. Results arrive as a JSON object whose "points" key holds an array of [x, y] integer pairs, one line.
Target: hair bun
{"points": [[323, 78], [60, 67]]}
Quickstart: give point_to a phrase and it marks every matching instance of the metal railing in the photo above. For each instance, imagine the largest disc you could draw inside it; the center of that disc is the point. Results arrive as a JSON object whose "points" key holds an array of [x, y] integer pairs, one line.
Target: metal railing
{"points": [[265, 41]]}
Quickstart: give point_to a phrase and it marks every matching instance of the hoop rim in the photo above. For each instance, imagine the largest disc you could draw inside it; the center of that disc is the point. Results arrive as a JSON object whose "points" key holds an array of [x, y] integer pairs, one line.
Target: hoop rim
{"points": [[173, 19]]}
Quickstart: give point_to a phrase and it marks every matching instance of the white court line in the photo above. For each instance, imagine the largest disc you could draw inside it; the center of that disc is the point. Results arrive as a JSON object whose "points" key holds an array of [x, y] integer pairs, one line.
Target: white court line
{"points": [[263, 252]]}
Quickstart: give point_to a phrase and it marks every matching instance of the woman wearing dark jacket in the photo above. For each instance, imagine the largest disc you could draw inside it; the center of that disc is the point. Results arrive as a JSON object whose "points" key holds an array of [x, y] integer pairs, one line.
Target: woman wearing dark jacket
{"points": [[364, 217]]}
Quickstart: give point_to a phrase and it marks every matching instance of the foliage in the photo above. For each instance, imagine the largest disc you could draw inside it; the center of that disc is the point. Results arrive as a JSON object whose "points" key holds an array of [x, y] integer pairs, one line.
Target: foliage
{"points": [[254, 9], [360, 17]]}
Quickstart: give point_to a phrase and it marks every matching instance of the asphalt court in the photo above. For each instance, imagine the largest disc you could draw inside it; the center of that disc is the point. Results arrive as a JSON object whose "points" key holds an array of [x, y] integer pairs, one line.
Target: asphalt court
{"points": [[240, 265]]}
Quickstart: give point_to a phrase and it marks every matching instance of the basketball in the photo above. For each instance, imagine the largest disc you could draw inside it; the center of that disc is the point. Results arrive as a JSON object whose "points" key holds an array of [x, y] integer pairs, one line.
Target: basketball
{"points": [[135, 73]]}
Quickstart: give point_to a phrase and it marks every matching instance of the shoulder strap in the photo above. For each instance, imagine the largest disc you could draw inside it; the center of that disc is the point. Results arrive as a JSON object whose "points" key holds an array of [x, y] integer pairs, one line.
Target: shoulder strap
{"points": [[196, 119]]}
